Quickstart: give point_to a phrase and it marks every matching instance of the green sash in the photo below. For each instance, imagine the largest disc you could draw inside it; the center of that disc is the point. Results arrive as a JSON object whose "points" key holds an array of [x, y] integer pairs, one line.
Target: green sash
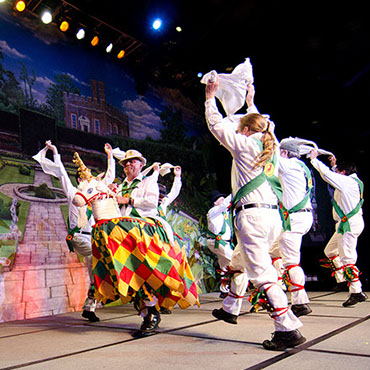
{"points": [[218, 237], [266, 175], [161, 212], [307, 196], [75, 230], [344, 224], [126, 192]]}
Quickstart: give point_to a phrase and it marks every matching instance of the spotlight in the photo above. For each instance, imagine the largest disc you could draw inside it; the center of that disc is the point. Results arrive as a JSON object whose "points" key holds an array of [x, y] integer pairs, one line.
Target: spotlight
{"points": [[157, 24], [46, 17], [200, 74], [95, 41], [178, 29], [109, 48], [121, 54], [20, 6], [80, 34], [64, 26]]}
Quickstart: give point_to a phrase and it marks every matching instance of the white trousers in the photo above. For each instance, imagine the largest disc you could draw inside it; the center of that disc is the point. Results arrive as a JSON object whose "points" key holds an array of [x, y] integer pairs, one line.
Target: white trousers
{"points": [[344, 246], [82, 245], [224, 253], [290, 246], [256, 230]]}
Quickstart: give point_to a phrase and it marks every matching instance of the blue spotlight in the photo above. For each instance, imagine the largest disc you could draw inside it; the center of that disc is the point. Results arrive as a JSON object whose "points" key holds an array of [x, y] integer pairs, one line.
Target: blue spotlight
{"points": [[200, 74], [157, 24]]}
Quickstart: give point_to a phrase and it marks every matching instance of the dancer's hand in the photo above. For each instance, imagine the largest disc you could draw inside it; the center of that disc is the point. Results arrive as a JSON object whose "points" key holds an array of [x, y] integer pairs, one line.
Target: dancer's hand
{"points": [[177, 171], [156, 166], [108, 149], [333, 160], [52, 147], [314, 154], [122, 200], [211, 88]]}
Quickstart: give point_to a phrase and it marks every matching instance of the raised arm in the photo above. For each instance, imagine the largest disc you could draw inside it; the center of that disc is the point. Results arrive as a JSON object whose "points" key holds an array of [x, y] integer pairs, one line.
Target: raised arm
{"points": [[334, 179], [111, 170]]}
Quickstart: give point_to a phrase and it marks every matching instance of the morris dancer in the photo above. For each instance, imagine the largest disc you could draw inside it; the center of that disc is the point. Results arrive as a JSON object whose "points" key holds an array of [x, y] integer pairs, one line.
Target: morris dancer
{"points": [[220, 234], [347, 212], [296, 181], [132, 257], [79, 238], [164, 201], [257, 220]]}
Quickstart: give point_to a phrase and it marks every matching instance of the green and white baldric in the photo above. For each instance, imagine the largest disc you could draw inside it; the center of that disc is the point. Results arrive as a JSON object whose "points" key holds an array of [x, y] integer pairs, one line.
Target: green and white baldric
{"points": [[218, 237], [266, 175], [75, 230], [344, 224], [307, 196], [126, 192]]}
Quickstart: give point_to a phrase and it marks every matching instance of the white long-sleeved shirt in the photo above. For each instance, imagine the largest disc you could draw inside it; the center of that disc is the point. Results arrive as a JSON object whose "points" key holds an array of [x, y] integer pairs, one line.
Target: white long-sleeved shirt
{"points": [[145, 196], [172, 195], [70, 190], [346, 193], [216, 218], [293, 181], [244, 150]]}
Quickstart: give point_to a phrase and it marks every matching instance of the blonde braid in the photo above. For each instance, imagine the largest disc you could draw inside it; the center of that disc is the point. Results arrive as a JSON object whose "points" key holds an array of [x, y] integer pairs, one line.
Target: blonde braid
{"points": [[258, 123], [267, 153]]}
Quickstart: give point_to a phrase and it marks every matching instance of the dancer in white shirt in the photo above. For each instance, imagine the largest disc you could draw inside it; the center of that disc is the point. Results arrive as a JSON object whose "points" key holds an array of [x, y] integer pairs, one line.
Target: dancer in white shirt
{"points": [[220, 234], [347, 212], [296, 182], [79, 238], [257, 220]]}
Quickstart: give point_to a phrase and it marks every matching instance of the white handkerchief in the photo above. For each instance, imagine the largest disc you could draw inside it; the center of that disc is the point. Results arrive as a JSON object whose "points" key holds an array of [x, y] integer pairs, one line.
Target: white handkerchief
{"points": [[118, 153], [48, 166], [232, 88]]}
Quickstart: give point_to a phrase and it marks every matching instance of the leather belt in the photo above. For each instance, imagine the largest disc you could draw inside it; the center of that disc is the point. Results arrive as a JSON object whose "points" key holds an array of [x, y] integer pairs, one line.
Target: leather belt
{"points": [[255, 205], [304, 210], [84, 233]]}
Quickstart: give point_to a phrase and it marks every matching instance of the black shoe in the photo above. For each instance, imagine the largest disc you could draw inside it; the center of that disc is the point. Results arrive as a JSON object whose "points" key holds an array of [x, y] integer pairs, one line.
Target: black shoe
{"points": [[301, 309], [340, 287], [151, 321], [221, 314], [355, 298], [165, 311], [223, 295], [90, 316], [284, 339]]}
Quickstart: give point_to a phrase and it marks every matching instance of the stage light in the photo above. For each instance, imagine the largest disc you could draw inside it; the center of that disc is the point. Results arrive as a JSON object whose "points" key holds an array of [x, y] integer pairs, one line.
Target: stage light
{"points": [[121, 54], [80, 34], [46, 17], [20, 6], [178, 29], [200, 74], [157, 24], [95, 41], [64, 26], [109, 48]]}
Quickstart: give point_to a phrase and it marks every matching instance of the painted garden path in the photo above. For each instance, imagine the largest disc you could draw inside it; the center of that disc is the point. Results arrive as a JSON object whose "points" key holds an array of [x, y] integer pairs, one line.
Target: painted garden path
{"points": [[46, 278]]}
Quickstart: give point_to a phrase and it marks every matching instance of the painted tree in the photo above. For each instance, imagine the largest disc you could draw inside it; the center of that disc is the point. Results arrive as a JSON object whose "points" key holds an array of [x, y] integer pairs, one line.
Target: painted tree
{"points": [[174, 131], [28, 81], [54, 94], [11, 94]]}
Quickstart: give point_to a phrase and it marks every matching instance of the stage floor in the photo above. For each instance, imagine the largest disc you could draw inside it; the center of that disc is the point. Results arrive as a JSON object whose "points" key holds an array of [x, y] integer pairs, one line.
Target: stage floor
{"points": [[337, 337]]}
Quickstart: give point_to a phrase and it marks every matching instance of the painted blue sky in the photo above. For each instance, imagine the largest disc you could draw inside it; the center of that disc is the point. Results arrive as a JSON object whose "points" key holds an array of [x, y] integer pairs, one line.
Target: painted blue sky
{"points": [[40, 51]]}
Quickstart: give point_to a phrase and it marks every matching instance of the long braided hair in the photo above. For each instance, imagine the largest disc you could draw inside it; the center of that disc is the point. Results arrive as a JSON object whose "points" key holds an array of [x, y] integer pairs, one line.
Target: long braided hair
{"points": [[258, 123]]}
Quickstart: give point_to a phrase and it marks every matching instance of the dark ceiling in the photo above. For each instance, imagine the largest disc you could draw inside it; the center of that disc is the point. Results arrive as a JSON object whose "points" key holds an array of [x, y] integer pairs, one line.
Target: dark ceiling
{"points": [[311, 60]]}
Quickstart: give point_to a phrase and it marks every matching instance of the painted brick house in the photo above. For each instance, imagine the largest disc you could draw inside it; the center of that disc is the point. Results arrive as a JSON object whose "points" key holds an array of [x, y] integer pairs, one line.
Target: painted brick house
{"points": [[94, 114]]}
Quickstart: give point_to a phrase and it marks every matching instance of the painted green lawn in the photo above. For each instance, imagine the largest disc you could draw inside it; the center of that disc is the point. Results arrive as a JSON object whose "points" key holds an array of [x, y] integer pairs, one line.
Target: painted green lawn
{"points": [[10, 174]]}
